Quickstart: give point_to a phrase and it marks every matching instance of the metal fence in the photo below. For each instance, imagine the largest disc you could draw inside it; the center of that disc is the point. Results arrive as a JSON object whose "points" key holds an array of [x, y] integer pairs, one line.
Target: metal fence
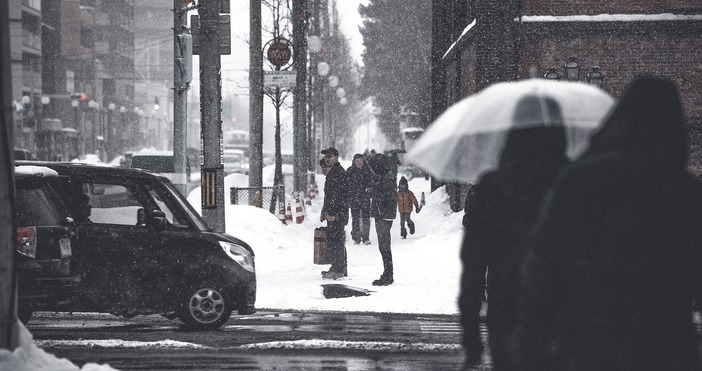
{"points": [[263, 197]]}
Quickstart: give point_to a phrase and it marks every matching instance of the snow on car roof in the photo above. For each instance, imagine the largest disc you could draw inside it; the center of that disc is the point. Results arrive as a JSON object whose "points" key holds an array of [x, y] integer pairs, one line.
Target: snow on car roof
{"points": [[41, 171]]}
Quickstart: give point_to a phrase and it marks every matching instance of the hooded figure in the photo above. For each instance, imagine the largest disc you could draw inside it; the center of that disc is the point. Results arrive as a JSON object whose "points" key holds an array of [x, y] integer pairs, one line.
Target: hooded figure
{"points": [[612, 266], [384, 210], [503, 209]]}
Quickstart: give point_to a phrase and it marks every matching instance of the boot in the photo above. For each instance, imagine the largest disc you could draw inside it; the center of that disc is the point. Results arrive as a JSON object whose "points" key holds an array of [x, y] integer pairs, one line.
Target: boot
{"points": [[384, 280], [343, 272], [403, 233], [411, 227]]}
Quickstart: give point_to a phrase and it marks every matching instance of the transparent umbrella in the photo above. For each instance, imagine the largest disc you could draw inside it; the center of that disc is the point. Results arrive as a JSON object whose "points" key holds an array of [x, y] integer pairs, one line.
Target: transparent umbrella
{"points": [[467, 139]]}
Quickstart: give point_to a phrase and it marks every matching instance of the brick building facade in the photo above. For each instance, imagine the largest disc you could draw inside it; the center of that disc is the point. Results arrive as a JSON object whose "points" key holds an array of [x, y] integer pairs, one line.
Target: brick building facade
{"points": [[478, 43]]}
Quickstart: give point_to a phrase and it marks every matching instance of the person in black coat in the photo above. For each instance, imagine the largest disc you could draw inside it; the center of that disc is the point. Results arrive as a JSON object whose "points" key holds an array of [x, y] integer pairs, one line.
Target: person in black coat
{"points": [[613, 264], [383, 197], [503, 207], [358, 176], [335, 212]]}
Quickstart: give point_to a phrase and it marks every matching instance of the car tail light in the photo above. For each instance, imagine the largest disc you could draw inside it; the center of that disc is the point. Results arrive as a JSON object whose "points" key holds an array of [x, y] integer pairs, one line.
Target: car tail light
{"points": [[27, 241]]}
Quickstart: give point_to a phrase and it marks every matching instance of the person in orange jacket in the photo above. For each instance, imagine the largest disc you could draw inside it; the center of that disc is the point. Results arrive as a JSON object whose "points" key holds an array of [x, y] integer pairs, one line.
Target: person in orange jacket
{"points": [[405, 202]]}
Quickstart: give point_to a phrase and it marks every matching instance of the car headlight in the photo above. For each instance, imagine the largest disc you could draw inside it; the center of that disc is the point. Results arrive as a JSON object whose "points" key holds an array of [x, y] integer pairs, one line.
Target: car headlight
{"points": [[238, 254]]}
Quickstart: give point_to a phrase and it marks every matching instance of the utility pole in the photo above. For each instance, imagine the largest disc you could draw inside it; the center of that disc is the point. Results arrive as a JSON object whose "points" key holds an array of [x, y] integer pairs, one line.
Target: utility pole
{"points": [[299, 10], [255, 96], [8, 284], [182, 76], [211, 116]]}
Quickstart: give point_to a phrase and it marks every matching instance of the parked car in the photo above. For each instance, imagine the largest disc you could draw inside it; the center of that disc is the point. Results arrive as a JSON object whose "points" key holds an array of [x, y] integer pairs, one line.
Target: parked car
{"points": [[233, 161], [45, 242], [143, 249]]}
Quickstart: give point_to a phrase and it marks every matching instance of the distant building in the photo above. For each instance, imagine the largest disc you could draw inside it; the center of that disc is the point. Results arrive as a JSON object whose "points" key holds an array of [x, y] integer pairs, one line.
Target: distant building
{"points": [[153, 46], [479, 43], [25, 57]]}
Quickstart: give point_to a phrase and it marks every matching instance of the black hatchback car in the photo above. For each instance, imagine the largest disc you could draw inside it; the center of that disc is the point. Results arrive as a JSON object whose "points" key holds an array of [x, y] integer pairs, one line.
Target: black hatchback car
{"points": [[142, 249], [45, 243]]}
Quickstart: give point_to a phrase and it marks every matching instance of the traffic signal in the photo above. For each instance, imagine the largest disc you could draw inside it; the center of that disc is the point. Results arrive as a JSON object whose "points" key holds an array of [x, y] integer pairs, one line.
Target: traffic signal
{"points": [[81, 98]]}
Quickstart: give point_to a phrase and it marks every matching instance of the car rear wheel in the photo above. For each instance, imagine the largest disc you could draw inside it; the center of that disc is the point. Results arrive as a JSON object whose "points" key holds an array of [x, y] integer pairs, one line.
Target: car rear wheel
{"points": [[205, 308]]}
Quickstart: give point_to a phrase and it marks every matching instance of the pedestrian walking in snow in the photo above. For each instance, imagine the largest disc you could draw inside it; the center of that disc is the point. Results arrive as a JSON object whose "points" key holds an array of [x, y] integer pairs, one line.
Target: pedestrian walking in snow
{"points": [[358, 176], [502, 210], [612, 267], [384, 210], [406, 202], [336, 213]]}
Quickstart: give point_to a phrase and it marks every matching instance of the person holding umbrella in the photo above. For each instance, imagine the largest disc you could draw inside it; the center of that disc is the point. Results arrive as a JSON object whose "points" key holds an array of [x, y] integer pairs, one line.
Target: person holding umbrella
{"points": [[502, 211], [615, 261]]}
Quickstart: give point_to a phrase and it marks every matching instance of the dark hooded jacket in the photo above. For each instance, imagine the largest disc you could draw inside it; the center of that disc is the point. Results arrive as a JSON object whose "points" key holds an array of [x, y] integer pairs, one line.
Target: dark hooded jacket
{"points": [[612, 265], [358, 180], [382, 189], [503, 209]]}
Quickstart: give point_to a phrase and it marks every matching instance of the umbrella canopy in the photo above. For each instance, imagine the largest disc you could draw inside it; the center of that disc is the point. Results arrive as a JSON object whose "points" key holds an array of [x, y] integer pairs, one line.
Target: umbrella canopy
{"points": [[467, 139]]}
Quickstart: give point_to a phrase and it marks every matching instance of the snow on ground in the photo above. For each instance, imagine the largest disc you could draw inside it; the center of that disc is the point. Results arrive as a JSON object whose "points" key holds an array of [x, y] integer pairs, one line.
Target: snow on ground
{"points": [[427, 269], [426, 264]]}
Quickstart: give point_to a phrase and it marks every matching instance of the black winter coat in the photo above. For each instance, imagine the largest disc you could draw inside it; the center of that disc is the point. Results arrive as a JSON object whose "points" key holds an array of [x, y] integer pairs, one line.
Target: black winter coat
{"points": [[335, 196], [383, 195], [359, 179], [613, 265], [503, 208], [382, 191]]}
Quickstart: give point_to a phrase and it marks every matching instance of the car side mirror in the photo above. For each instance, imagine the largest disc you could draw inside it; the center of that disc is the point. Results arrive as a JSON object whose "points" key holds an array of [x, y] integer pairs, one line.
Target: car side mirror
{"points": [[97, 191], [158, 220]]}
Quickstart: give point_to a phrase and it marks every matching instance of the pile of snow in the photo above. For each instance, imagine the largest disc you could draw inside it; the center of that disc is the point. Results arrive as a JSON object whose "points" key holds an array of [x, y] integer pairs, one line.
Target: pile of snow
{"points": [[426, 264], [28, 357]]}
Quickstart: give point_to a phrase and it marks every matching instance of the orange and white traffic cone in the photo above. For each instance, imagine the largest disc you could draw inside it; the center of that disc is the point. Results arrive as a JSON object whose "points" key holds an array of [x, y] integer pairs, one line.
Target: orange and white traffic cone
{"points": [[312, 192], [288, 214], [299, 215], [304, 201], [281, 213], [306, 197]]}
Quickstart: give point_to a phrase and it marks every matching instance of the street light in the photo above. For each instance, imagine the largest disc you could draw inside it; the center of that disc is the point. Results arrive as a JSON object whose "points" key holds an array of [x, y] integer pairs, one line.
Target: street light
{"points": [[595, 77], [572, 69], [552, 74], [333, 81], [314, 44], [45, 100], [340, 92], [322, 69]]}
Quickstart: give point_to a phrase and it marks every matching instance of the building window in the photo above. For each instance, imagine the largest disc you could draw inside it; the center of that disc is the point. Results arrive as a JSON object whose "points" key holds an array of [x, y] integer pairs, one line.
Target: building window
{"points": [[86, 38], [70, 81]]}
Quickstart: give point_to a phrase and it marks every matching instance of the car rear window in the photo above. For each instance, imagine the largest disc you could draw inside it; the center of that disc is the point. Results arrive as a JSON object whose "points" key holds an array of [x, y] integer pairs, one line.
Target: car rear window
{"points": [[36, 207]]}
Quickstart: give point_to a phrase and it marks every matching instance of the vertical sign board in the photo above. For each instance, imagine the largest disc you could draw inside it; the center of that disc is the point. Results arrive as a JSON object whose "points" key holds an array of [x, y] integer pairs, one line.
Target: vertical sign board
{"points": [[209, 188]]}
